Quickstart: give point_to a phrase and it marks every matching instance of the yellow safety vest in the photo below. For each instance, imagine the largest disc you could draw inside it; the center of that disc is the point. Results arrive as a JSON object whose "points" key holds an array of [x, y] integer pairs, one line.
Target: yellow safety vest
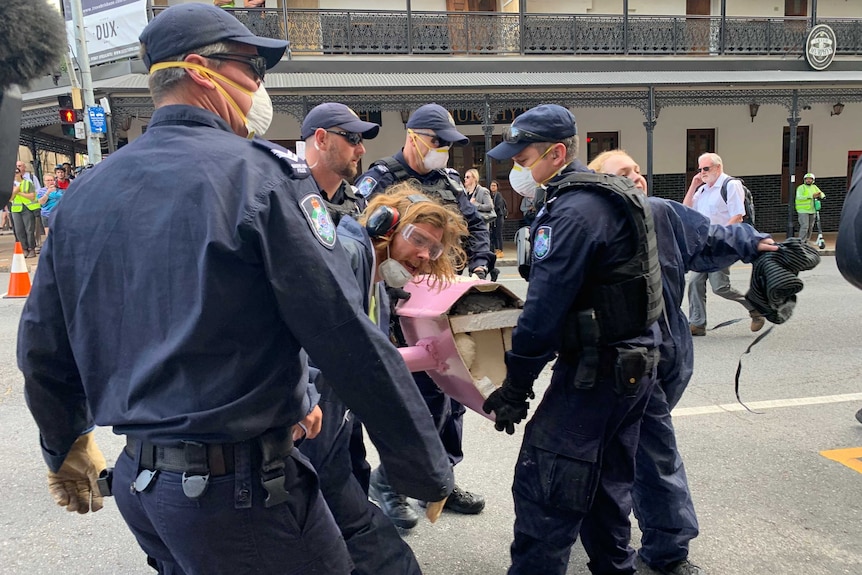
{"points": [[19, 202], [805, 198]]}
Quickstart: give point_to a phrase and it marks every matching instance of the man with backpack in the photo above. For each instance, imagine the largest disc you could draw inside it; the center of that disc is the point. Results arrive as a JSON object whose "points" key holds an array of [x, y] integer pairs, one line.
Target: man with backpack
{"points": [[723, 199]]}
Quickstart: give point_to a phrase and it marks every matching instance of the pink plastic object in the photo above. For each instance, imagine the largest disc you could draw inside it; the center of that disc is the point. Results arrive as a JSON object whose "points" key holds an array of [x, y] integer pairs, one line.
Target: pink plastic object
{"points": [[463, 354]]}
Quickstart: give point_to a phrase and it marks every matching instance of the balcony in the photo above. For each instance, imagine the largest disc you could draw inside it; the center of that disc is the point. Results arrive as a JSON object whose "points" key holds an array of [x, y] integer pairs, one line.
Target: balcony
{"points": [[379, 32]]}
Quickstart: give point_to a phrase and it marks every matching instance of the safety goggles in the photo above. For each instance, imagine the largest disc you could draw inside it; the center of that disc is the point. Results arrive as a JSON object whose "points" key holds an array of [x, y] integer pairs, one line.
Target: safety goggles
{"points": [[354, 138], [515, 135], [422, 241], [255, 62]]}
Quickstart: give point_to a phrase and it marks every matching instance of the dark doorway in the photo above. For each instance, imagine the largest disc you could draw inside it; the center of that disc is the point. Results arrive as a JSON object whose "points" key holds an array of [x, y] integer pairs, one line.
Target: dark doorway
{"points": [[471, 5], [801, 159], [598, 142], [697, 7], [796, 7], [852, 158], [697, 142]]}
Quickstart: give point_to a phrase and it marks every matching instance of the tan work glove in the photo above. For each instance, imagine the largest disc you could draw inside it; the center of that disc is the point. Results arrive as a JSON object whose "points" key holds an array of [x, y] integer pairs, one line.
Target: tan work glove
{"points": [[74, 485]]}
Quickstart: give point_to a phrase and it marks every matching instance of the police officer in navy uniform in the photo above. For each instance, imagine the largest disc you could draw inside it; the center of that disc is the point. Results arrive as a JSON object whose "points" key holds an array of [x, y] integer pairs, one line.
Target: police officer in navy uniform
{"points": [[334, 135], [686, 242], [593, 299], [430, 134], [848, 245], [183, 315]]}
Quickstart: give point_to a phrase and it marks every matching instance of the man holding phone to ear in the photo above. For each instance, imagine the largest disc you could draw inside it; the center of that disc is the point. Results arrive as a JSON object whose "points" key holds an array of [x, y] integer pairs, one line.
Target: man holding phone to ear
{"points": [[704, 195]]}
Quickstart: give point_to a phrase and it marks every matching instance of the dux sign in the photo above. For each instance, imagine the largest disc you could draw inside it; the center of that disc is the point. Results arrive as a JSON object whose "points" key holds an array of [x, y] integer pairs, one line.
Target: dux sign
{"points": [[820, 47]]}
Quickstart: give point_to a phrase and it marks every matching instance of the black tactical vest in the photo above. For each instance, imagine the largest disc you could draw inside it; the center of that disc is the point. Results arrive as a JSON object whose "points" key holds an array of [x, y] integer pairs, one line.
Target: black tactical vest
{"points": [[443, 187], [628, 298], [351, 205]]}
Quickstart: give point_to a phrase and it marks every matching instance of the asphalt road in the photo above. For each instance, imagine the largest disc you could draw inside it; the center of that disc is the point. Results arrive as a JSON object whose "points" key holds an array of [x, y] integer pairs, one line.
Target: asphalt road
{"points": [[769, 501]]}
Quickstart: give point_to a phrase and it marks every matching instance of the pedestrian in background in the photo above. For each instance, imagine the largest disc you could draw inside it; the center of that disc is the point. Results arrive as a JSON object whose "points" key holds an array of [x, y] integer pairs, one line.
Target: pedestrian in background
{"points": [[808, 197], [704, 195], [479, 196], [48, 198], [23, 214], [502, 211]]}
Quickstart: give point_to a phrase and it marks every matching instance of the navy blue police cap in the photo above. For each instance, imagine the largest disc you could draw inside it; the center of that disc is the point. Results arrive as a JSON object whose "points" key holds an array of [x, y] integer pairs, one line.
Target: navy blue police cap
{"points": [[182, 28], [436, 118], [544, 123], [332, 114]]}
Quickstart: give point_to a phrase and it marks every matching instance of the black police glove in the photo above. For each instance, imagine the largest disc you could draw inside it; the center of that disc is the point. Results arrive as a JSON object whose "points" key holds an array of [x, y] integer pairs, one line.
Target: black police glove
{"points": [[395, 295], [509, 404]]}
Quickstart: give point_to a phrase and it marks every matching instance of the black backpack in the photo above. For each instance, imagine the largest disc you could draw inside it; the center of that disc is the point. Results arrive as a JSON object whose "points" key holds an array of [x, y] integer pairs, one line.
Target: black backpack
{"points": [[747, 199]]}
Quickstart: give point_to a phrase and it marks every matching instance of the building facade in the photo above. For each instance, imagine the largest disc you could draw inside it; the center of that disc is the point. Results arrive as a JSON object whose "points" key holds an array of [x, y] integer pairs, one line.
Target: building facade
{"points": [[664, 79]]}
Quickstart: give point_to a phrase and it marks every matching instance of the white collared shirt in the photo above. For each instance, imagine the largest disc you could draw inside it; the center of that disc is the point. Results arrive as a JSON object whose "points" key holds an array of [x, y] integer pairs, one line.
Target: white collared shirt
{"points": [[708, 201]]}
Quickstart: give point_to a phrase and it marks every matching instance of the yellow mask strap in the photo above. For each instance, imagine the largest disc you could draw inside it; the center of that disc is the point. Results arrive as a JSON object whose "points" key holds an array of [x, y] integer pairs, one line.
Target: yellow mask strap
{"points": [[543, 182], [207, 72], [415, 139]]}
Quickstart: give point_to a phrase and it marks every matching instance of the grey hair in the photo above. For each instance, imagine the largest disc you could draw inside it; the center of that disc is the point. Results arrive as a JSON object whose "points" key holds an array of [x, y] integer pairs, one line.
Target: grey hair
{"points": [[163, 82], [714, 158]]}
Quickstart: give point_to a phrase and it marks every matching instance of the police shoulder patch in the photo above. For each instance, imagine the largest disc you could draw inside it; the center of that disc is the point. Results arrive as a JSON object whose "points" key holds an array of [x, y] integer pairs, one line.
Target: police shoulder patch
{"points": [[297, 165], [318, 219], [542, 242], [366, 186]]}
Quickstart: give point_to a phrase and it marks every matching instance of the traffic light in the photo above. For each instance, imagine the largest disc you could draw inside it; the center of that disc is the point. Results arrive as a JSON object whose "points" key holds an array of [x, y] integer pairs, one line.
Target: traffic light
{"points": [[68, 117]]}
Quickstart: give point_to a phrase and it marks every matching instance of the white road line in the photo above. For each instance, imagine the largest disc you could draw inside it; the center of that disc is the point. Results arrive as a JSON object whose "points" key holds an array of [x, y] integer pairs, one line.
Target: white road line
{"points": [[769, 404]]}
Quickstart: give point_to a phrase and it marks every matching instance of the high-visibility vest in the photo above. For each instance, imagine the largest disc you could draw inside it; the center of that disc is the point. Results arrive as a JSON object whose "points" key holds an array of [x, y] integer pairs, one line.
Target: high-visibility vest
{"points": [[805, 200], [19, 202]]}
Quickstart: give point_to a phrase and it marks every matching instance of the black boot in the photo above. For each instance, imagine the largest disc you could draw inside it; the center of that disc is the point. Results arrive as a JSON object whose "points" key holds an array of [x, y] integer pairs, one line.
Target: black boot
{"points": [[394, 506], [461, 501]]}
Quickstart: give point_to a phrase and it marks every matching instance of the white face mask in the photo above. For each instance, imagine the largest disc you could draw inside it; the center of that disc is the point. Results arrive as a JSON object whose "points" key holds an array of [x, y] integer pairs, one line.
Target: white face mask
{"points": [[259, 115], [522, 180], [434, 158], [393, 273]]}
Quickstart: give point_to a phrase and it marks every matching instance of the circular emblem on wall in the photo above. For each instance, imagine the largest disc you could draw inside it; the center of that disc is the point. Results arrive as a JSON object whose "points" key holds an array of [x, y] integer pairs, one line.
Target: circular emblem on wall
{"points": [[820, 47]]}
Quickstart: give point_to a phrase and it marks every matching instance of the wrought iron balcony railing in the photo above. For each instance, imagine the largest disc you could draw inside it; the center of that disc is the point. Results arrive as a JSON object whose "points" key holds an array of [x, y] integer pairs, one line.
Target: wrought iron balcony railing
{"points": [[364, 32]]}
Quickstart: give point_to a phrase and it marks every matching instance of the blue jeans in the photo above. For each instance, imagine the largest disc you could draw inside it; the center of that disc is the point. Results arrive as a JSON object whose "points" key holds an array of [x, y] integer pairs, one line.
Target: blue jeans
{"points": [[228, 530]]}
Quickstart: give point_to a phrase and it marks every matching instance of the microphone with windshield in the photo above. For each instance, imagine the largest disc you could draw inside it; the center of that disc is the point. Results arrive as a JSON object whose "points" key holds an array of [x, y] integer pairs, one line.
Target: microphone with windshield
{"points": [[32, 41]]}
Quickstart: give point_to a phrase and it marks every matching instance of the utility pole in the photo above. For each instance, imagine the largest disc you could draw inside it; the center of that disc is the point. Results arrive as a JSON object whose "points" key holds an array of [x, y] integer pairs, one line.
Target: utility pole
{"points": [[94, 145]]}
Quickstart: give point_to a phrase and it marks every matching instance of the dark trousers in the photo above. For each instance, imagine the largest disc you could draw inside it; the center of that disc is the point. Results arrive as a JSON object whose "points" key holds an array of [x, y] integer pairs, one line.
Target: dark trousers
{"points": [[447, 413], [662, 500], [228, 530], [497, 233], [574, 477], [25, 228], [374, 544]]}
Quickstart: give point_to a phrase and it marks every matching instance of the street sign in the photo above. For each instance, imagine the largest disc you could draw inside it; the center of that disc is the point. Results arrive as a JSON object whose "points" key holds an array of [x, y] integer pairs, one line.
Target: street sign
{"points": [[97, 119], [79, 130]]}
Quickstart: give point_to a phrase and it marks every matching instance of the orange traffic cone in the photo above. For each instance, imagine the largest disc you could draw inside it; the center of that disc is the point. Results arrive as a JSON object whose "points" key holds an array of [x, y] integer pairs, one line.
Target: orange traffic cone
{"points": [[19, 278]]}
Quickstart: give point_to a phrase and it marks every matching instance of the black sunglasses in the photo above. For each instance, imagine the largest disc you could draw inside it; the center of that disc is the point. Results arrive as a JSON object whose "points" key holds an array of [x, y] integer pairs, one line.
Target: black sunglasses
{"points": [[514, 135], [435, 141], [257, 63], [704, 169], [354, 138]]}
